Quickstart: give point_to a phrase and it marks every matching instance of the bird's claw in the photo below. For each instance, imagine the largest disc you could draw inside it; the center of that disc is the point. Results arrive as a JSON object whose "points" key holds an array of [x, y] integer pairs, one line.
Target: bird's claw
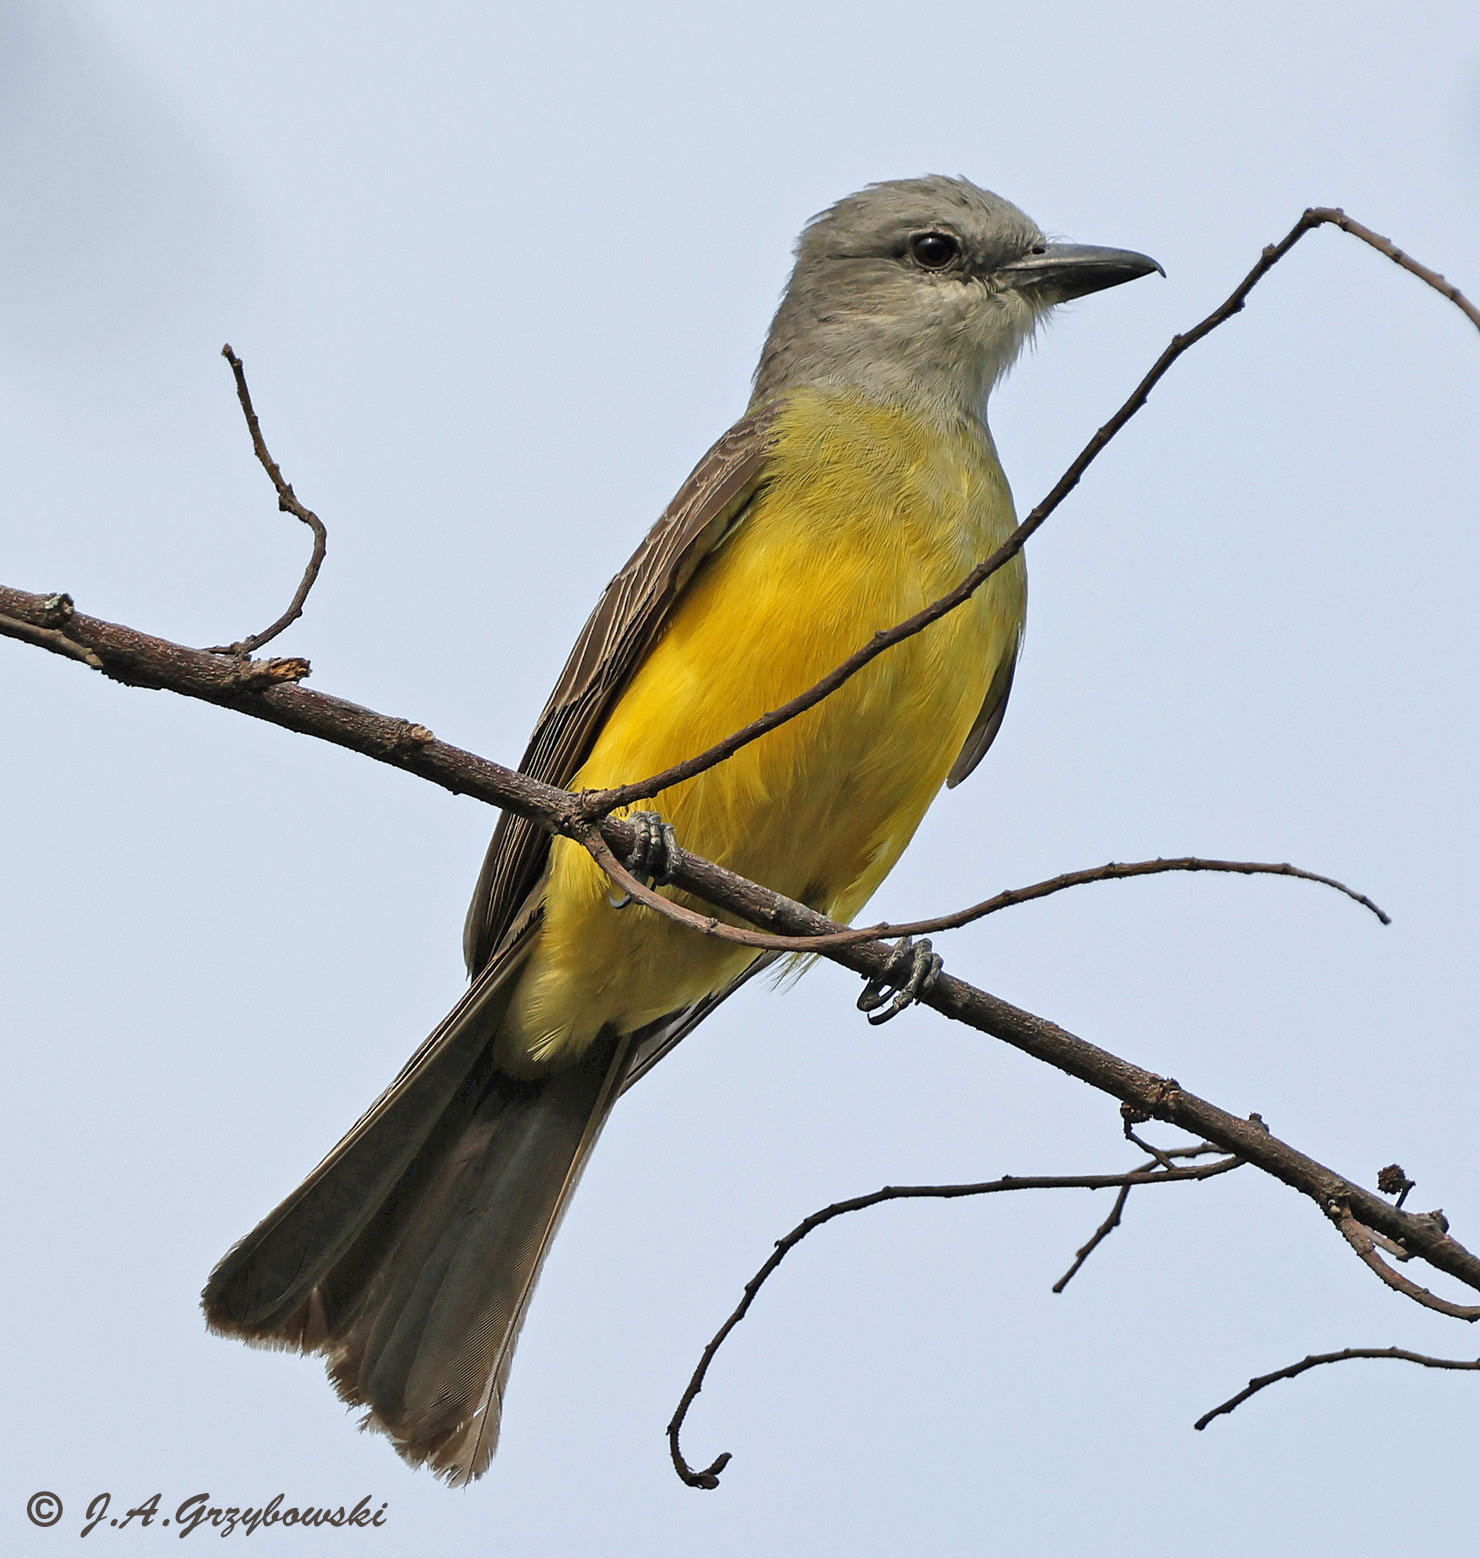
{"points": [[911, 971], [650, 859]]}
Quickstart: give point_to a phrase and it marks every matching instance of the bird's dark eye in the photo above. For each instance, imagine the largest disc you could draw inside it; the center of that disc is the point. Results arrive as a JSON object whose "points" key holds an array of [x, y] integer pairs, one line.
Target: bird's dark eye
{"points": [[934, 251]]}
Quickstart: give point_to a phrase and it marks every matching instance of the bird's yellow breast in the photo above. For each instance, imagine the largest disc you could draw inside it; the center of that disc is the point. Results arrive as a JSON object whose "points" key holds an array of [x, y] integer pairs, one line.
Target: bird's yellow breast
{"points": [[866, 514]]}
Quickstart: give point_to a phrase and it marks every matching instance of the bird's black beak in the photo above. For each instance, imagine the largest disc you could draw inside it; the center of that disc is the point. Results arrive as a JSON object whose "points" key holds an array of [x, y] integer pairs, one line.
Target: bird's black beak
{"points": [[1056, 272]]}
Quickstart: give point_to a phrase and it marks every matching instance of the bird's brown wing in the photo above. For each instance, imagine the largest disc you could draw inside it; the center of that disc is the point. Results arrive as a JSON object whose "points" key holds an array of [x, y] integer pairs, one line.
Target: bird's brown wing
{"points": [[628, 618]]}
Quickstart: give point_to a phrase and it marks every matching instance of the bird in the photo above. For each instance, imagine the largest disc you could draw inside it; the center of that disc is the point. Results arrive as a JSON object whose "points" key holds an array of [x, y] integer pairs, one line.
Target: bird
{"points": [[859, 486]]}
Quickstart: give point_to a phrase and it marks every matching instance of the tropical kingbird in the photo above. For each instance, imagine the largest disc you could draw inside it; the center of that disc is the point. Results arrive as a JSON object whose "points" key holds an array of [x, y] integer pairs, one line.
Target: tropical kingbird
{"points": [[860, 485]]}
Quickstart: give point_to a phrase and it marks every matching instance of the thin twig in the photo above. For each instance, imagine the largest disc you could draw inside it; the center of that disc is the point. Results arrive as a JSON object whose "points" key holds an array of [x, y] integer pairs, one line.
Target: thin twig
{"points": [[1112, 1222], [1361, 1240], [1315, 1360], [288, 504], [1097, 1238], [709, 1476], [1338, 218], [602, 802], [1112, 871], [1132, 1118], [708, 925]]}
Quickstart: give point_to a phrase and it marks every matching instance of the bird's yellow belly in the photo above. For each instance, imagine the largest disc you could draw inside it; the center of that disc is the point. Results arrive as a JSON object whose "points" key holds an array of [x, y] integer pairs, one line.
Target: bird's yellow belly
{"points": [[865, 518]]}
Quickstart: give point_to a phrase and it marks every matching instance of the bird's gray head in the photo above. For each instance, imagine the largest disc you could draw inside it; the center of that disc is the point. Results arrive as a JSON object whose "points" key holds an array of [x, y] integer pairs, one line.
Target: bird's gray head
{"points": [[923, 291]]}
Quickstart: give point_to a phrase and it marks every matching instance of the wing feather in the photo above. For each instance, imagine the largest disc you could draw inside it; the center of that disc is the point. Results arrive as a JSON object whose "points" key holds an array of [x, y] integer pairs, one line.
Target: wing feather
{"points": [[988, 722]]}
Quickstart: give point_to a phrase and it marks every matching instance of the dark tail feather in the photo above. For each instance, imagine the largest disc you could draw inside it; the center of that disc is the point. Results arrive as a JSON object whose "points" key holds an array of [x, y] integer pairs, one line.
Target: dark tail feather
{"points": [[408, 1258], [271, 1273], [427, 1342]]}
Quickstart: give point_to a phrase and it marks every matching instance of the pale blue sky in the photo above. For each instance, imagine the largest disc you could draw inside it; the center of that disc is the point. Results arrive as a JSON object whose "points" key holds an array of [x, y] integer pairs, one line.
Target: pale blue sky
{"points": [[499, 278]]}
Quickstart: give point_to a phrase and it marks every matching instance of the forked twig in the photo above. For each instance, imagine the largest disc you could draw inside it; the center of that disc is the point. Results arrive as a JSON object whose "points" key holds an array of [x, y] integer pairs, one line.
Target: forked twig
{"points": [[1316, 1359], [709, 1476], [288, 504]]}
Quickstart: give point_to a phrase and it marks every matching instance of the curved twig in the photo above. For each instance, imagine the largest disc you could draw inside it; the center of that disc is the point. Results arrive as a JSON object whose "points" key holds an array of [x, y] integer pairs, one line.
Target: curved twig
{"points": [[710, 925], [709, 1476], [1316, 1359], [1114, 871], [288, 504], [600, 803]]}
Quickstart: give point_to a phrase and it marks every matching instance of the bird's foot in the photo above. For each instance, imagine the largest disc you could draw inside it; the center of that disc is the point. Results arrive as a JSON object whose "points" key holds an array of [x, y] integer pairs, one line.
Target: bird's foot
{"points": [[650, 859], [910, 972]]}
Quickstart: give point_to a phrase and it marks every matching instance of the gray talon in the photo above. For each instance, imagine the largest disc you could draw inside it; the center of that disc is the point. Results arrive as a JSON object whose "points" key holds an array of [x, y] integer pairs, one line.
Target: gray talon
{"points": [[650, 859], [911, 972]]}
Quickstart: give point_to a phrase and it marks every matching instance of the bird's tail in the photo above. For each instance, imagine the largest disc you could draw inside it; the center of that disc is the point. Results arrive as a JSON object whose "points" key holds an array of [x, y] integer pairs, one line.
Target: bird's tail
{"points": [[409, 1256]]}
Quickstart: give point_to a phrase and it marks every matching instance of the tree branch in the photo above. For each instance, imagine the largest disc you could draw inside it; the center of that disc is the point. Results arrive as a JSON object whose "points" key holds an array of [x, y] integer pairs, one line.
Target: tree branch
{"points": [[1315, 1360], [709, 1476], [263, 691]]}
